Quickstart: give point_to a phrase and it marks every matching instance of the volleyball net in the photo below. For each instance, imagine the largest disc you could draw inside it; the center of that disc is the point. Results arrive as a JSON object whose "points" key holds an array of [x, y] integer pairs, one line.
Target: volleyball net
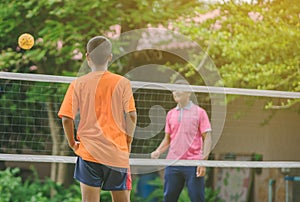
{"points": [[31, 131]]}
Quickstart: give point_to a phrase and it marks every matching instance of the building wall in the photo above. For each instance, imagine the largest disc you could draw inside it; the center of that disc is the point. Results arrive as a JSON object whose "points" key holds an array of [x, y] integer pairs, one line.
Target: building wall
{"points": [[244, 133], [277, 140]]}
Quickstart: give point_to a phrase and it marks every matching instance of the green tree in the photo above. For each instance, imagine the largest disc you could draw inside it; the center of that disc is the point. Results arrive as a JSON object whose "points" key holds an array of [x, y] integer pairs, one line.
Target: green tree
{"points": [[61, 30], [254, 45]]}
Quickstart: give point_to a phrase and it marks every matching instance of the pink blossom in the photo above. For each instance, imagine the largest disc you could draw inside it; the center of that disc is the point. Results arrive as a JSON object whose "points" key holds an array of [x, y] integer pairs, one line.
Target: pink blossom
{"points": [[203, 17], [115, 31], [39, 40], [59, 44], [217, 25], [170, 26], [77, 55], [255, 16], [33, 67]]}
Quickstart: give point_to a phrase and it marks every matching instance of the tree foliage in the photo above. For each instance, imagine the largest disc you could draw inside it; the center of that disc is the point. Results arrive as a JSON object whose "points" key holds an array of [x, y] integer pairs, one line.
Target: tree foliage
{"points": [[61, 30], [254, 45]]}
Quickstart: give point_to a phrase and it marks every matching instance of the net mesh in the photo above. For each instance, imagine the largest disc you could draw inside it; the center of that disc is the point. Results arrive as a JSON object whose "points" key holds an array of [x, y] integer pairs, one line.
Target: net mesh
{"points": [[25, 109], [29, 122], [29, 106]]}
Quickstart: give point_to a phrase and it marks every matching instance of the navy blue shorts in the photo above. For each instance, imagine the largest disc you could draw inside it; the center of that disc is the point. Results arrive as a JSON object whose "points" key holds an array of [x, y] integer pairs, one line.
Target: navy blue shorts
{"points": [[98, 175], [176, 177]]}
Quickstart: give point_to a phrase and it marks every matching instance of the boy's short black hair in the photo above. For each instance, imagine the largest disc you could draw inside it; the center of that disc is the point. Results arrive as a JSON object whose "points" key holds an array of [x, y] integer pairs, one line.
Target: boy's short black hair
{"points": [[181, 81], [184, 82], [99, 48]]}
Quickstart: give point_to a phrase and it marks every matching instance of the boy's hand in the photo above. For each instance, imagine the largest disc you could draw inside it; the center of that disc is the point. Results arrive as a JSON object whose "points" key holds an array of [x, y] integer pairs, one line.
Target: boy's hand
{"points": [[75, 146], [155, 154], [200, 171]]}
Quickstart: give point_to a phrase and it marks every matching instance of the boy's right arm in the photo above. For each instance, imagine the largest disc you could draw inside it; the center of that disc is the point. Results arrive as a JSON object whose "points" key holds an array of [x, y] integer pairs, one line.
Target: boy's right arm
{"points": [[162, 147], [68, 125]]}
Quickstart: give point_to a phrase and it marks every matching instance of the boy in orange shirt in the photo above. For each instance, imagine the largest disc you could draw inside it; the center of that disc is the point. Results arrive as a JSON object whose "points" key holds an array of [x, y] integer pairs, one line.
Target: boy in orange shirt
{"points": [[107, 122]]}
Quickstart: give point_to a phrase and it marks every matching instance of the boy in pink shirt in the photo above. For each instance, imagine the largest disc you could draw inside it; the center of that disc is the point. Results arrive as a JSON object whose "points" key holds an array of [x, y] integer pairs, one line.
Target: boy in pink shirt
{"points": [[187, 135]]}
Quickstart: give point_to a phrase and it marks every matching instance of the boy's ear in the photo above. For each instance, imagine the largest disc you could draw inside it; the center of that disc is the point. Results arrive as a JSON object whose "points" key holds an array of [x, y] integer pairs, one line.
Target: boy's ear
{"points": [[110, 57]]}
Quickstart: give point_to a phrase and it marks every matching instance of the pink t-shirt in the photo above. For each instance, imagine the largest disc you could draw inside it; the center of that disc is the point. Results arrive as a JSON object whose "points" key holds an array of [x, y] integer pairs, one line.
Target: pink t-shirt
{"points": [[185, 127]]}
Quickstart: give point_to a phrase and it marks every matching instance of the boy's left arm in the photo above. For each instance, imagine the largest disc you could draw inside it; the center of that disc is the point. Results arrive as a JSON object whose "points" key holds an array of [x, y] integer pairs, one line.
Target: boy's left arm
{"points": [[130, 119], [207, 142]]}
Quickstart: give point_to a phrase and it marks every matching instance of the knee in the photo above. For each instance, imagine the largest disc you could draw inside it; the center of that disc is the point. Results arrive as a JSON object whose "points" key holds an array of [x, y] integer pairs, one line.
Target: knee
{"points": [[171, 196], [120, 196], [197, 196]]}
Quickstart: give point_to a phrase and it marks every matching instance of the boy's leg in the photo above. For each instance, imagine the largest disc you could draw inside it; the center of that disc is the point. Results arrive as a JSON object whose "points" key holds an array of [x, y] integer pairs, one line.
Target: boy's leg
{"points": [[118, 182], [87, 174], [195, 185], [120, 196], [173, 185], [89, 193]]}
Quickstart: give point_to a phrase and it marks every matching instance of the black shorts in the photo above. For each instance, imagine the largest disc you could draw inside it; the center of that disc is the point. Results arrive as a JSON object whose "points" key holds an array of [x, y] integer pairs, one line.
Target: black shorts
{"points": [[98, 175]]}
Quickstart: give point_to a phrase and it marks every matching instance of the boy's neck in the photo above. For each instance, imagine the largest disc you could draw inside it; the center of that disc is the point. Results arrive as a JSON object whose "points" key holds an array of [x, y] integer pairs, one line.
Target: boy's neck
{"points": [[183, 104], [99, 68]]}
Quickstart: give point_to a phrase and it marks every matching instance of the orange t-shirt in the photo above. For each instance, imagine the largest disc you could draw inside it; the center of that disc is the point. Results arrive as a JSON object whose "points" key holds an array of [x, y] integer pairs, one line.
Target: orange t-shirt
{"points": [[102, 99]]}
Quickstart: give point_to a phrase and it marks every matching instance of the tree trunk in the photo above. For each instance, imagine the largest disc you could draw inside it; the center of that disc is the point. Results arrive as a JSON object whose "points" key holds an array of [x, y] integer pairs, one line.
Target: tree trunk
{"points": [[54, 137], [58, 170], [62, 167]]}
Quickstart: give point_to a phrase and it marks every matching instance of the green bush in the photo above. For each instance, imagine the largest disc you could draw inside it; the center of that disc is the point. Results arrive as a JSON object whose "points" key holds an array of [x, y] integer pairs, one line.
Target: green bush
{"points": [[13, 189], [8, 183]]}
